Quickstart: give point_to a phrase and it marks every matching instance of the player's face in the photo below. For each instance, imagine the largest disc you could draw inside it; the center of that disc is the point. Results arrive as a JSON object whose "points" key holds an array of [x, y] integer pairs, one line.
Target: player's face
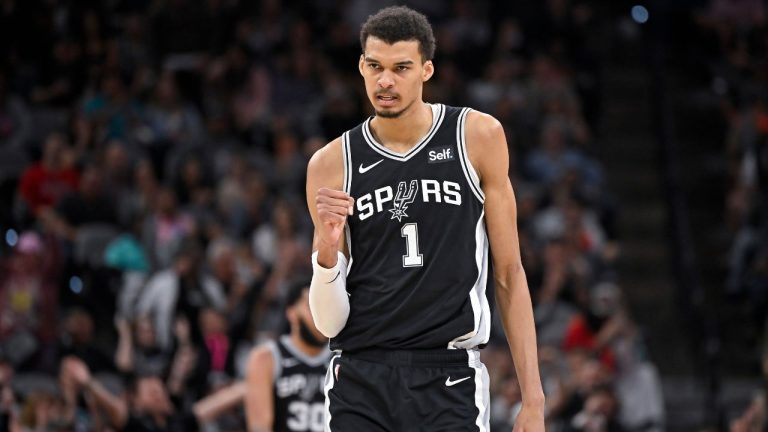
{"points": [[394, 75]]}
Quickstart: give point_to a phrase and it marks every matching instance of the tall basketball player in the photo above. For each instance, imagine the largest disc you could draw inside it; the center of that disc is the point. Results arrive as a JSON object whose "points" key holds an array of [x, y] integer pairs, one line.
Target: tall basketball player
{"points": [[405, 207], [285, 378]]}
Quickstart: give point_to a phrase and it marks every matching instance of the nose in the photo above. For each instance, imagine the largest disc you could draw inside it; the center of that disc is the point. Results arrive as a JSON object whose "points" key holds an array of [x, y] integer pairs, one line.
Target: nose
{"points": [[385, 80]]}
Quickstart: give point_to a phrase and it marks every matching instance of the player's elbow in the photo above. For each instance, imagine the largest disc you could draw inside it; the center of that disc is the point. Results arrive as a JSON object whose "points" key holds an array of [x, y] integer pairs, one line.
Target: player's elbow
{"points": [[329, 323], [511, 270], [508, 275], [330, 331]]}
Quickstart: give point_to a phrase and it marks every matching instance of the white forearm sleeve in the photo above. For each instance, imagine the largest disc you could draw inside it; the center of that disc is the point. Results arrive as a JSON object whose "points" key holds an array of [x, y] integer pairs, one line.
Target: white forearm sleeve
{"points": [[328, 300]]}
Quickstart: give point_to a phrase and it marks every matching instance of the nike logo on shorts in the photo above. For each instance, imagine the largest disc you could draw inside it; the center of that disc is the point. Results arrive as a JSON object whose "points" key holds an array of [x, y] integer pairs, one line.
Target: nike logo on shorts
{"points": [[363, 170], [450, 383]]}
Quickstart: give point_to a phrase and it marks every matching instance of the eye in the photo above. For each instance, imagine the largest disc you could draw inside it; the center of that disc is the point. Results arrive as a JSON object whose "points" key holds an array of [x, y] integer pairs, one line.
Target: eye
{"points": [[402, 68], [374, 66]]}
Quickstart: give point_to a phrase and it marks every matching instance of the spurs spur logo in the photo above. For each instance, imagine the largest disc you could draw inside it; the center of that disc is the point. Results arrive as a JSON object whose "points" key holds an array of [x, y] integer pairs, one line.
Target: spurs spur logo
{"points": [[403, 199]]}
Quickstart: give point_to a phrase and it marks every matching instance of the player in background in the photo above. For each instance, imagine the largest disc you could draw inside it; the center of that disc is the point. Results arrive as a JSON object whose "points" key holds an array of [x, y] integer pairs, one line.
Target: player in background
{"points": [[284, 378]]}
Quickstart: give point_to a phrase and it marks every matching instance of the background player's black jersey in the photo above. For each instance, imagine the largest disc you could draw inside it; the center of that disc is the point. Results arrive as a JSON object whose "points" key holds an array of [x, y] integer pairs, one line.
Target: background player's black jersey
{"points": [[298, 388], [417, 241]]}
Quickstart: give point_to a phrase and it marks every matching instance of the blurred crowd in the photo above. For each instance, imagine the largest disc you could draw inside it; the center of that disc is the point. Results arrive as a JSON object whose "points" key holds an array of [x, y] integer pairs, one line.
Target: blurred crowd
{"points": [[152, 163], [735, 49]]}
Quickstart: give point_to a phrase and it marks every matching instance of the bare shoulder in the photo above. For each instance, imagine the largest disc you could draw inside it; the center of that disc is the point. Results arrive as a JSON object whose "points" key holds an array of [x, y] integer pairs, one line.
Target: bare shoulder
{"points": [[486, 141], [482, 125], [326, 167], [260, 358]]}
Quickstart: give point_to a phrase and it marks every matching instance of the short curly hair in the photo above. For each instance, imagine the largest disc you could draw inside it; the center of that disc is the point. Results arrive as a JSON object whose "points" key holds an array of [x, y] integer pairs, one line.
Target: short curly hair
{"points": [[400, 23]]}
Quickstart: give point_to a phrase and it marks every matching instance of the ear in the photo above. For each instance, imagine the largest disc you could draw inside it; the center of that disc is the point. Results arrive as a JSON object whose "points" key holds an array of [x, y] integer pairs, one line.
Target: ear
{"points": [[290, 313], [428, 71], [361, 63]]}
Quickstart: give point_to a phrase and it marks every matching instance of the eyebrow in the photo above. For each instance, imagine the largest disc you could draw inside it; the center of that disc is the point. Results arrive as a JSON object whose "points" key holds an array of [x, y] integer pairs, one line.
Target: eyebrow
{"points": [[400, 63]]}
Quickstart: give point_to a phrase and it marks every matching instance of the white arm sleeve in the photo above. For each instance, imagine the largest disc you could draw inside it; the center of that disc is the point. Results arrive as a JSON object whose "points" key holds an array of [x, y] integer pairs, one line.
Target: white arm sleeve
{"points": [[328, 300]]}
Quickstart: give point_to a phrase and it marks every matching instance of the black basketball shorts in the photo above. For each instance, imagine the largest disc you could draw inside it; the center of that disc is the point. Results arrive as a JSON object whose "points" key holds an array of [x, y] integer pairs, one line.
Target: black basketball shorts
{"points": [[404, 391]]}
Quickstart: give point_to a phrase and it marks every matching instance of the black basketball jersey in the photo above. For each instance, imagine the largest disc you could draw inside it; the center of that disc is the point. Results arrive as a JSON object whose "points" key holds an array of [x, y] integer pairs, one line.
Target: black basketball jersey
{"points": [[417, 241], [298, 388]]}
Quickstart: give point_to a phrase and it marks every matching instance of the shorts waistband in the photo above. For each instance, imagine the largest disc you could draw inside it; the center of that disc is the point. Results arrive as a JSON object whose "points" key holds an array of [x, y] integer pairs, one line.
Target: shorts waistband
{"points": [[438, 357]]}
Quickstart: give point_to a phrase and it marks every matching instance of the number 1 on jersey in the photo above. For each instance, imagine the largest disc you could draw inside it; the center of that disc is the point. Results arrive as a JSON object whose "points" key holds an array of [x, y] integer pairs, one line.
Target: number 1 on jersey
{"points": [[412, 258]]}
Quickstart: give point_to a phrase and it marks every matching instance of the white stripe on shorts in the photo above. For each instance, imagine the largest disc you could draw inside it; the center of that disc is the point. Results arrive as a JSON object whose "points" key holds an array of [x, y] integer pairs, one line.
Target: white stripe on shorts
{"points": [[330, 380], [482, 391]]}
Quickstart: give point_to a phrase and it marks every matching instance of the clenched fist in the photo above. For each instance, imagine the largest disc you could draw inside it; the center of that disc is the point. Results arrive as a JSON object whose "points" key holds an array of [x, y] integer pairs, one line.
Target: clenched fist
{"points": [[333, 207]]}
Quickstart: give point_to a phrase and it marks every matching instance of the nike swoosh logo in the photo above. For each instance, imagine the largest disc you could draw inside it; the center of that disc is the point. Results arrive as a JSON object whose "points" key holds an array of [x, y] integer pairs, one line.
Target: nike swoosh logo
{"points": [[363, 170], [450, 383]]}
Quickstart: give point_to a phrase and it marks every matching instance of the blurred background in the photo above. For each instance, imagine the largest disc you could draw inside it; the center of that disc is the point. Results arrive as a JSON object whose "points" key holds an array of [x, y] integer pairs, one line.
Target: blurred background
{"points": [[152, 167]]}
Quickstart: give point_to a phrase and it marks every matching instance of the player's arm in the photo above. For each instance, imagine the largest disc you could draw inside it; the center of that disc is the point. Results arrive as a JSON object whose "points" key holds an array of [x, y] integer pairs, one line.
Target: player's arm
{"points": [[259, 400], [212, 406], [329, 207], [487, 147]]}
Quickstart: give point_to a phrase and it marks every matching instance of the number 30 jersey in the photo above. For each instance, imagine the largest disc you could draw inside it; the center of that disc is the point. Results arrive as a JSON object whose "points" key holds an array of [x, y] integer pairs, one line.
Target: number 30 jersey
{"points": [[298, 387], [417, 242]]}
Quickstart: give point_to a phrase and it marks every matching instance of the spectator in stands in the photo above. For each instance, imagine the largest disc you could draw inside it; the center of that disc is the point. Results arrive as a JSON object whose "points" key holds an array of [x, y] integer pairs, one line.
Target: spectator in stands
{"points": [[193, 185], [599, 413], [138, 201], [555, 159], [117, 165], [281, 244], [596, 328], [29, 302], [45, 183], [231, 195], [583, 375], [164, 229], [173, 121], [78, 340], [43, 411], [90, 205], [182, 290], [289, 164], [219, 347], [138, 351], [112, 111]]}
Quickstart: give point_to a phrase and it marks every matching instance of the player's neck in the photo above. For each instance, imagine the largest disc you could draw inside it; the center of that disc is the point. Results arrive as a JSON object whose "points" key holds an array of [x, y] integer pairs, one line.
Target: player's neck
{"points": [[400, 134], [310, 350]]}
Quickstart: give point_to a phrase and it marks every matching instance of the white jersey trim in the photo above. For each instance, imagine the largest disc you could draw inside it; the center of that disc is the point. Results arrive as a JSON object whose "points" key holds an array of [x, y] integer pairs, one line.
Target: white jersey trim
{"points": [[347, 155], [469, 171], [480, 307], [438, 113], [277, 359], [312, 361], [330, 381], [346, 150]]}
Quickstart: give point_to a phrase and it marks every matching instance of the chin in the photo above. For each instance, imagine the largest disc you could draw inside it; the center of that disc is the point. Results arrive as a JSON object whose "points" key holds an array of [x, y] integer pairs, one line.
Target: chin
{"points": [[389, 113]]}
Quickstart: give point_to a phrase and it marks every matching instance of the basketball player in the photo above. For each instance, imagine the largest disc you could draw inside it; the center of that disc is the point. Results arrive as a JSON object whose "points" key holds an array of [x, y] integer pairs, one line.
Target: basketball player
{"points": [[285, 378], [405, 207]]}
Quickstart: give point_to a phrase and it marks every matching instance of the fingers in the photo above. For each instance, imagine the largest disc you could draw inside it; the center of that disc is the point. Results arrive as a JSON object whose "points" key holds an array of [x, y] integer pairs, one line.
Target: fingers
{"points": [[335, 198], [332, 193], [335, 209], [327, 216]]}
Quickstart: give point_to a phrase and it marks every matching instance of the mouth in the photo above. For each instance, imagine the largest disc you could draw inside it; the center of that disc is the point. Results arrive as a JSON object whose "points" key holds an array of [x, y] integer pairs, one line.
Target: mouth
{"points": [[386, 100]]}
